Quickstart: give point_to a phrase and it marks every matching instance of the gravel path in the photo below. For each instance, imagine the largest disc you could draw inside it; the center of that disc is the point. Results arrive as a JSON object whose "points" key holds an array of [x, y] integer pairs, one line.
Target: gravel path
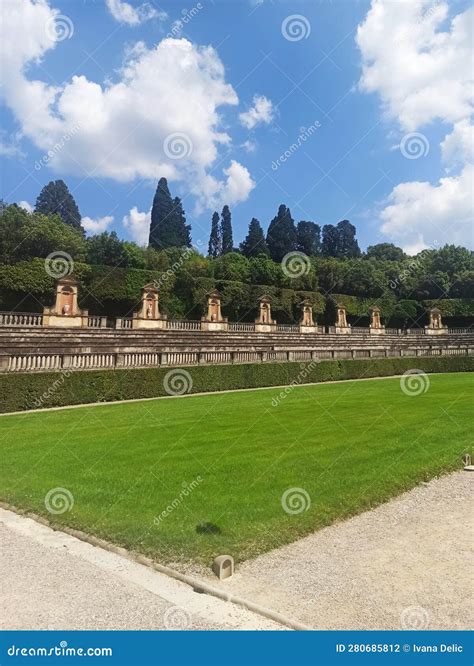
{"points": [[404, 565], [50, 580]]}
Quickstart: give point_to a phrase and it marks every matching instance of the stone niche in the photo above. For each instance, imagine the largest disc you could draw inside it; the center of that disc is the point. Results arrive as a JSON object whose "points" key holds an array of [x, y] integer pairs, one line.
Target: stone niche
{"points": [[436, 326], [341, 324], [375, 327], [148, 316], [213, 319], [65, 312], [264, 322], [307, 323]]}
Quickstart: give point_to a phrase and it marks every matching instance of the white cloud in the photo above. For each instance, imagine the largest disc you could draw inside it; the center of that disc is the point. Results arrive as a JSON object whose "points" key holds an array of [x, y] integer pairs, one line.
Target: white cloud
{"points": [[26, 205], [457, 147], [249, 146], [262, 112], [213, 193], [96, 226], [174, 88], [10, 145], [419, 61], [420, 71], [123, 12], [138, 225], [238, 185], [420, 215]]}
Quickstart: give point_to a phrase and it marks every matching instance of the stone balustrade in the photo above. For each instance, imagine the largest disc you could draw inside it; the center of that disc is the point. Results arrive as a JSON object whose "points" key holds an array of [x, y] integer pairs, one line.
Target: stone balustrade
{"points": [[26, 320], [20, 319], [90, 361]]}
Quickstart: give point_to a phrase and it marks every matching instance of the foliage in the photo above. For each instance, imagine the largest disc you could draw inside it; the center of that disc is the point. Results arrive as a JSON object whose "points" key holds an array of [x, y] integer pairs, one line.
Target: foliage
{"points": [[56, 198], [226, 231], [168, 226], [385, 251], [215, 240], [308, 238], [24, 235], [17, 391], [281, 235], [254, 243]]}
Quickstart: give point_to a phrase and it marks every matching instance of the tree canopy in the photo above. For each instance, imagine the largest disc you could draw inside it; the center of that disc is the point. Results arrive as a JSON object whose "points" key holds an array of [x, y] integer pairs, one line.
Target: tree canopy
{"points": [[56, 198]]}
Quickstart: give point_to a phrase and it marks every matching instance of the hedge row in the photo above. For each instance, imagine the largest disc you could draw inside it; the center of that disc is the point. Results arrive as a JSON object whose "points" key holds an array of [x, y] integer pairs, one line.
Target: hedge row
{"points": [[30, 391]]}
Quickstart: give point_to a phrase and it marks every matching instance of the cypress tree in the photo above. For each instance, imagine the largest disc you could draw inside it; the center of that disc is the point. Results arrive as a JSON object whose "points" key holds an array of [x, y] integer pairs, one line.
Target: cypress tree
{"points": [[281, 235], [308, 238], [181, 230], [56, 198], [168, 226], [254, 243], [347, 245], [215, 241], [329, 243], [226, 231]]}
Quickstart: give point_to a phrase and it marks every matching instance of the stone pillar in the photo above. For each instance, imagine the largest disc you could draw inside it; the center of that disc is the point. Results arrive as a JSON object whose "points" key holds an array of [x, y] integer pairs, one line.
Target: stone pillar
{"points": [[213, 319], [375, 327], [65, 312], [307, 323], [148, 316], [435, 327], [341, 321], [264, 322]]}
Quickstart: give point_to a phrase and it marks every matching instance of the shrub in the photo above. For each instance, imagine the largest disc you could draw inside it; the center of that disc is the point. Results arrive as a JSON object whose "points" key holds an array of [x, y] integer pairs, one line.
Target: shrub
{"points": [[22, 391]]}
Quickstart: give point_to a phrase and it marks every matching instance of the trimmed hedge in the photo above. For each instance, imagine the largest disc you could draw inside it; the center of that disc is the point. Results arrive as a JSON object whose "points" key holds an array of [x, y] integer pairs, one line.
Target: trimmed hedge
{"points": [[29, 391]]}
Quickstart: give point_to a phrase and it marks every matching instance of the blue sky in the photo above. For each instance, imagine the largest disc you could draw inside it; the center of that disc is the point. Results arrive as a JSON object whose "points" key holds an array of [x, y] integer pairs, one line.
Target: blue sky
{"points": [[366, 83]]}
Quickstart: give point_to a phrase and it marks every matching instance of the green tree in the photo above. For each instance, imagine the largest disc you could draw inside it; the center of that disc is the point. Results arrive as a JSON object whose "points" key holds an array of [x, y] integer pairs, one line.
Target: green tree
{"points": [[281, 234], [168, 226], [308, 238], [105, 249], [56, 198], [347, 245], [385, 252], [265, 271], [215, 240], [134, 255], [24, 235], [232, 266], [254, 243], [329, 245], [449, 259], [226, 231]]}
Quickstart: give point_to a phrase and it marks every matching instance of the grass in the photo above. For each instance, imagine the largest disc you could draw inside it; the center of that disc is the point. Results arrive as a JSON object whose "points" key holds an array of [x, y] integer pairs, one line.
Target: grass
{"points": [[227, 459]]}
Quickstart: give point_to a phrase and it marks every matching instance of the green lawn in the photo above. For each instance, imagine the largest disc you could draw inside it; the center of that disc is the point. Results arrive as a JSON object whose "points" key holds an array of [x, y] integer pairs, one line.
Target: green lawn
{"points": [[349, 446]]}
